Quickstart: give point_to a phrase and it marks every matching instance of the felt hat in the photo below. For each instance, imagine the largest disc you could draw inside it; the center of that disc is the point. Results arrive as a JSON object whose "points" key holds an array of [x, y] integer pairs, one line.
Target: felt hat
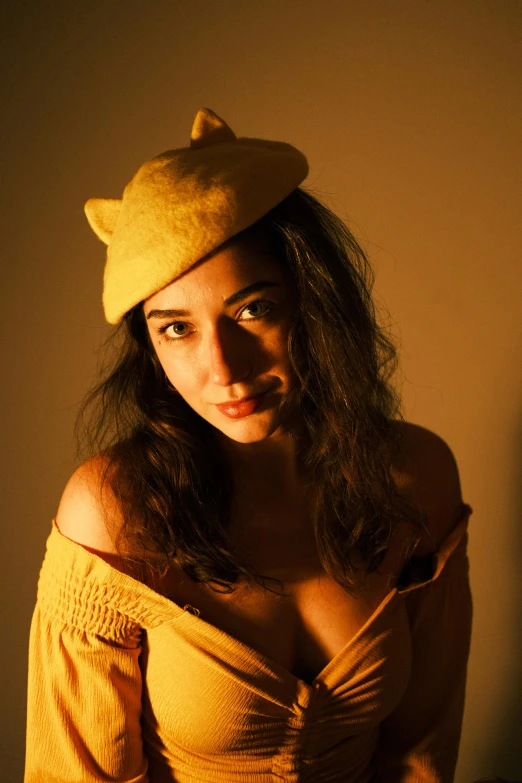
{"points": [[184, 203]]}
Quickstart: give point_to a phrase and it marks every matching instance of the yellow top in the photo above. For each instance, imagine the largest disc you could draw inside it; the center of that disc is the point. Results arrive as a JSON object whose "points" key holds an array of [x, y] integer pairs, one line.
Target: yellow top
{"points": [[125, 685]]}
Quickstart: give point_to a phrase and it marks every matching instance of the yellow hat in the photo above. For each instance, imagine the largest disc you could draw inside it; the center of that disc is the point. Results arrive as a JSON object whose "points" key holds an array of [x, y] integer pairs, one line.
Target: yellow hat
{"points": [[186, 202]]}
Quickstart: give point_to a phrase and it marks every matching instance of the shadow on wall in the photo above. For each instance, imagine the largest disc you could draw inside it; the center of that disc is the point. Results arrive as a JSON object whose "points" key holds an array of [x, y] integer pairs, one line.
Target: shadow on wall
{"points": [[504, 749], [496, 780]]}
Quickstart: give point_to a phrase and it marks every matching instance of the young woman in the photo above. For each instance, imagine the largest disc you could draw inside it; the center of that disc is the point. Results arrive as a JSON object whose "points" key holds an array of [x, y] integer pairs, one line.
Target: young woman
{"points": [[245, 432]]}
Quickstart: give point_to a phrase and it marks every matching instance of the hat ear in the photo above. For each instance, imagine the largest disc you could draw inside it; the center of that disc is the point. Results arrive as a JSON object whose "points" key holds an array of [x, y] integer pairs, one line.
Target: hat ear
{"points": [[102, 214], [209, 129]]}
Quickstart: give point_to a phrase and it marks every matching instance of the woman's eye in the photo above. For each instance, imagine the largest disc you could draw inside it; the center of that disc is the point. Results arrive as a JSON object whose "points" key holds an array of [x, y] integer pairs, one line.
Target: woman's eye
{"points": [[176, 324]]}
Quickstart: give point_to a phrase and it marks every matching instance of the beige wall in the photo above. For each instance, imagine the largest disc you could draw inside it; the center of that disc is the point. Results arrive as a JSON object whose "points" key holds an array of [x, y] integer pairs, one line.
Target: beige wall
{"points": [[410, 114]]}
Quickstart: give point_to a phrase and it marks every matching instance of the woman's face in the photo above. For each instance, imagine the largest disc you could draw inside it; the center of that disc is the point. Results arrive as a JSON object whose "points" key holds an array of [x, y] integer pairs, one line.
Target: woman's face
{"points": [[218, 352]]}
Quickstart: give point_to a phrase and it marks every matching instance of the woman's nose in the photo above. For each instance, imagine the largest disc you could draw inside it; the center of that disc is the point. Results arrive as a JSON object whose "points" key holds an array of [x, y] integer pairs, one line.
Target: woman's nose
{"points": [[230, 355]]}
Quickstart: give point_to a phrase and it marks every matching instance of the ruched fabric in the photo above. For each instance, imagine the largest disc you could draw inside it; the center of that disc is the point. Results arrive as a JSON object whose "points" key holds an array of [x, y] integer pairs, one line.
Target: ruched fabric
{"points": [[128, 687]]}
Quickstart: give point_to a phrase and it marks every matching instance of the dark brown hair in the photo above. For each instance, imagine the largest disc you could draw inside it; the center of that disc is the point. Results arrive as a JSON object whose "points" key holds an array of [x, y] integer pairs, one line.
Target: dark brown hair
{"points": [[167, 469]]}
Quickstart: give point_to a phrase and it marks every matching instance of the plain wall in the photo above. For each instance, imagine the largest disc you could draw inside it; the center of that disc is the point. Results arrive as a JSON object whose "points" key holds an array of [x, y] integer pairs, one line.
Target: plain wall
{"points": [[410, 116]]}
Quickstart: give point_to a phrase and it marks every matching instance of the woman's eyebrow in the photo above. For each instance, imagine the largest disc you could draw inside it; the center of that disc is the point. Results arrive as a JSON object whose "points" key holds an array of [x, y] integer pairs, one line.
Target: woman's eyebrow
{"points": [[237, 297]]}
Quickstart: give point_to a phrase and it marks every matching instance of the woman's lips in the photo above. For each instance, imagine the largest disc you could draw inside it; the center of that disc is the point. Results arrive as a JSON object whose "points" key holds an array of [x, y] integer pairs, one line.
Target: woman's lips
{"points": [[238, 410]]}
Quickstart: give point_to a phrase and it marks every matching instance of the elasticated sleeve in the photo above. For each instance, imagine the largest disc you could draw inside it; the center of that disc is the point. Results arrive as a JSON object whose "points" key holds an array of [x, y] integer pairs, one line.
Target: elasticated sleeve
{"points": [[84, 683], [419, 740]]}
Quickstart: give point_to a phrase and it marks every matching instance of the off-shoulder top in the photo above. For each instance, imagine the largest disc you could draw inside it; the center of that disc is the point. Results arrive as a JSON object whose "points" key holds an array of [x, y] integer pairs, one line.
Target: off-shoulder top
{"points": [[125, 685]]}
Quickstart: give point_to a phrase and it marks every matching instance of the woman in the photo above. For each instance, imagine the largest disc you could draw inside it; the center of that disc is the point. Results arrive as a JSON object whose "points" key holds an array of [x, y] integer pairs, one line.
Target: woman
{"points": [[157, 651]]}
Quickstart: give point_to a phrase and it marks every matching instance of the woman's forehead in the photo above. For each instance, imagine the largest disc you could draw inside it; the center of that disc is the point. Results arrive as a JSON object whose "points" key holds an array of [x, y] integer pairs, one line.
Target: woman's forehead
{"points": [[227, 270]]}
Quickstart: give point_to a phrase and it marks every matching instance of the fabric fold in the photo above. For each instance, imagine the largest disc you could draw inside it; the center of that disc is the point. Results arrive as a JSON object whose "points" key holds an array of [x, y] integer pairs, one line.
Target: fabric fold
{"points": [[122, 680]]}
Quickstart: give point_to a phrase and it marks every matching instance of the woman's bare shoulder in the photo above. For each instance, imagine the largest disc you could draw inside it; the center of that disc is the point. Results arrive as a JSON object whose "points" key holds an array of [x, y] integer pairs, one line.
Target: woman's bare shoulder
{"points": [[88, 512], [426, 470]]}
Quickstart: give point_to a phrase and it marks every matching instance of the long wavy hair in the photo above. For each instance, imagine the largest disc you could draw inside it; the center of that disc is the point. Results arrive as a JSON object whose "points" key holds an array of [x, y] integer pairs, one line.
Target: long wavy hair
{"points": [[167, 470]]}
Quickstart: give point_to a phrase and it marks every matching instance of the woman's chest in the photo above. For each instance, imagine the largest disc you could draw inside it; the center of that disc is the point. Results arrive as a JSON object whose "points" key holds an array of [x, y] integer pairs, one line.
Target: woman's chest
{"points": [[302, 630]]}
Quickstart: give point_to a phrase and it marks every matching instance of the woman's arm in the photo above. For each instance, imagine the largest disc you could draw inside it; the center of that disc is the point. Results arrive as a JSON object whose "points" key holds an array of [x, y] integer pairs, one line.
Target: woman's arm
{"points": [[85, 683], [419, 741]]}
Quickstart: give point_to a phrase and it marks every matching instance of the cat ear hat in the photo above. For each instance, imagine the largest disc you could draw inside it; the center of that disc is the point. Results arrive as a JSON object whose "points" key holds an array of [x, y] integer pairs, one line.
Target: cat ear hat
{"points": [[184, 203]]}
